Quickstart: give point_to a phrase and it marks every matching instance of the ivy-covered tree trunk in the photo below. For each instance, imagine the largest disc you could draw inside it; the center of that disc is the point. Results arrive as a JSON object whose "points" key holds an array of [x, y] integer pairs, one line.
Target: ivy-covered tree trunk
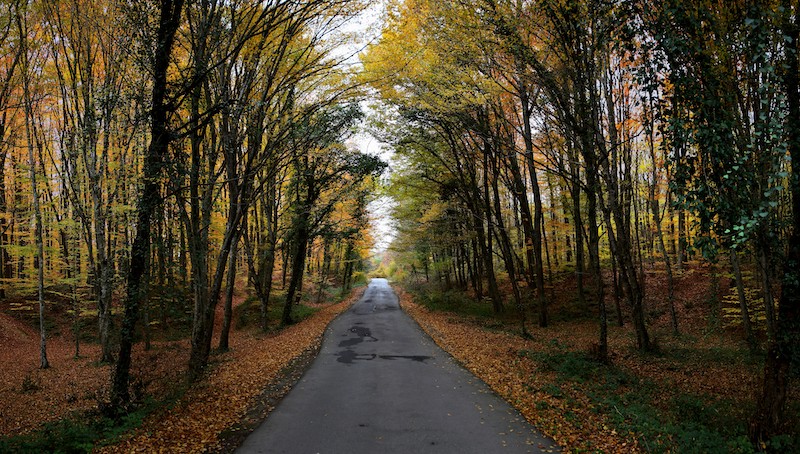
{"points": [[783, 352], [301, 236]]}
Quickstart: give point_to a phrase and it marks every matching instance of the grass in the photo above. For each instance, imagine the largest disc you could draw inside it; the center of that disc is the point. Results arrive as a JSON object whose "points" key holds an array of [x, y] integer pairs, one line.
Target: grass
{"points": [[715, 355], [683, 423], [249, 312], [453, 301], [80, 433]]}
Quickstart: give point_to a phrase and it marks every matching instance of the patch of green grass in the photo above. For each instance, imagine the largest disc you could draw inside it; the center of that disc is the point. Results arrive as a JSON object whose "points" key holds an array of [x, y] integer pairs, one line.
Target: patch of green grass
{"points": [[302, 312], [569, 365], [553, 390], [249, 312], [720, 355], [77, 434], [683, 423], [453, 301]]}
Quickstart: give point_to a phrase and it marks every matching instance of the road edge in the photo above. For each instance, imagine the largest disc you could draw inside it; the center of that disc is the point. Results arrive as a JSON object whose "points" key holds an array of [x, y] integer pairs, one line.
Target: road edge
{"points": [[232, 437]]}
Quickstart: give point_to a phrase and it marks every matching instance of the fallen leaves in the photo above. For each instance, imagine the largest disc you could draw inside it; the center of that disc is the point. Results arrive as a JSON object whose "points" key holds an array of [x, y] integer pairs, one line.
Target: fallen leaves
{"points": [[30, 396]]}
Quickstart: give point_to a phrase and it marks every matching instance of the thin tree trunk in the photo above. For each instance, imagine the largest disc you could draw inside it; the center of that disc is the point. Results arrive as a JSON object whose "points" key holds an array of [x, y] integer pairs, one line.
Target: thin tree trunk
{"points": [[494, 291], [617, 290], [766, 284], [538, 221], [224, 334], [594, 258], [656, 212], [737, 274], [580, 266], [22, 27], [6, 269], [508, 256], [667, 265]]}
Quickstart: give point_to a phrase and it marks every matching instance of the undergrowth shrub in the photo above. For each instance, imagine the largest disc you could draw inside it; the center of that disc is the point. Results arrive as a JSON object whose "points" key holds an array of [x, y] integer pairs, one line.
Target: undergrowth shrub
{"points": [[685, 423], [77, 434], [436, 299]]}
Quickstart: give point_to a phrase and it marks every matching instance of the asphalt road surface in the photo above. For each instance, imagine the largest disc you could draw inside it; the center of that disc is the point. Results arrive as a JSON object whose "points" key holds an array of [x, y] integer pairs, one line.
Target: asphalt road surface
{"points": [[381, 385]]}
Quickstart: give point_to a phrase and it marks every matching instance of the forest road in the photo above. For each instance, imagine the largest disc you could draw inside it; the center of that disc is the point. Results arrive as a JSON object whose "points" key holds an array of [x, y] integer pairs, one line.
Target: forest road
{"points": [[381, 385]]}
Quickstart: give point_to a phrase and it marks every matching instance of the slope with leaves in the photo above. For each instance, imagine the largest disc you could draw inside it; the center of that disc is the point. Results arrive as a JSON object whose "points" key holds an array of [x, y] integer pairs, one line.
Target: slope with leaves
{"points": [[208, 417]]}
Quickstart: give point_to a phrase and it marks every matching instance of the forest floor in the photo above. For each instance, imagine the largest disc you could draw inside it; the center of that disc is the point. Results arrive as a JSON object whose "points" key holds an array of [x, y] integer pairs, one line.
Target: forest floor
{"points": [[238, 390], [695, 394]]}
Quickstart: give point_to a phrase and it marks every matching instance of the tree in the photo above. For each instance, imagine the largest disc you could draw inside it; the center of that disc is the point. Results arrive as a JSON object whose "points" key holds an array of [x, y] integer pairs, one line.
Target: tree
{"points": [[782, 354], [8, 80], [90, 68], [30, 58], [743, 127], [324, 172], [282, 43], [149, 197]]}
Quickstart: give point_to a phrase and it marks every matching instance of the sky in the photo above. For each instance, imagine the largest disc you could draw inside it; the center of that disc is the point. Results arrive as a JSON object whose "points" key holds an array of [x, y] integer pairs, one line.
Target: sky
{"points": [[366, 28]]}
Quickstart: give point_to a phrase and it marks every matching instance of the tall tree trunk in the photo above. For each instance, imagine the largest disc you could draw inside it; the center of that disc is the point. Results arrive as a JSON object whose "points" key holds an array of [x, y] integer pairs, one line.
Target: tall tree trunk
{"points": [[766, 283], [682, 242], [656, 213], [294, 292], [782, 353], [6, 269], [538, 221], [594, 255], [203, 324], [577, 223], [169, 21], [488, 258], [506, 248], [667, 265], [617, 290]]}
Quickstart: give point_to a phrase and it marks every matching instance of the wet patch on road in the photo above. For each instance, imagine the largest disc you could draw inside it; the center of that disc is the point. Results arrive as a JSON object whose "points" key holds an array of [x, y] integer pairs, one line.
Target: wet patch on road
{"points": [[364, 334], [417, 358], [348, 356]]}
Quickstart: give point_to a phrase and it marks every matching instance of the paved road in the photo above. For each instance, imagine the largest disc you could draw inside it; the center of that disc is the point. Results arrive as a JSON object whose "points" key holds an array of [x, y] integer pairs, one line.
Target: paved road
{"points": [[380, 385]]}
